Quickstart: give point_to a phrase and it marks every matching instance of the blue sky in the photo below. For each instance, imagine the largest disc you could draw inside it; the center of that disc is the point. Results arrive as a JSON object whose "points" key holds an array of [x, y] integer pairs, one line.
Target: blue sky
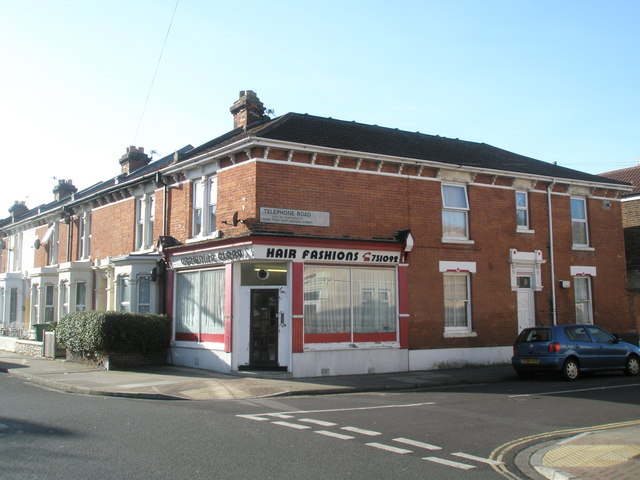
{"points": [[554, 80]]}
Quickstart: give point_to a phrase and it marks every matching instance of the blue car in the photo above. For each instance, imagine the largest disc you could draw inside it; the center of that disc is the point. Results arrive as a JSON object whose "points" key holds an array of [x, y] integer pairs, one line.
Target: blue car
{"points": [[571, 350]]}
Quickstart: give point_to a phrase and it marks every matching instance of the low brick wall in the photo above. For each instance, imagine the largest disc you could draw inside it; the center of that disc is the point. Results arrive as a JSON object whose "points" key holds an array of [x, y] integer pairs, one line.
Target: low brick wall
{"points": [[119, 361]]}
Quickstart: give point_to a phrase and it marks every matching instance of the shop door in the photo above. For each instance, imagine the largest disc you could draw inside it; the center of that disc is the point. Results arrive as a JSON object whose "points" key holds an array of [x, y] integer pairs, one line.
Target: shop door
{"points": [[264, 329]]}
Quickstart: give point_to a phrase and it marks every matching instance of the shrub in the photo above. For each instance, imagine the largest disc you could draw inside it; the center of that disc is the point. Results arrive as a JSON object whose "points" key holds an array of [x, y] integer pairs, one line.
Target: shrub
{"points": [[93, 332]]}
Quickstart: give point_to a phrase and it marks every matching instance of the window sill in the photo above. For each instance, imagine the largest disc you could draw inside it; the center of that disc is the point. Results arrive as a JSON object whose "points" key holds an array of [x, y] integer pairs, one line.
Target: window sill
{"points": [[524, 230], [583, 248], [459, 334], [318, 347], [459, 241]]}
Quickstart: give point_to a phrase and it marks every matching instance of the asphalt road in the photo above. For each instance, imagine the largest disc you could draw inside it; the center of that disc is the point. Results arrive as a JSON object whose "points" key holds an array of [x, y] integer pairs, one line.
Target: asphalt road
{"points": [[440, 433]]}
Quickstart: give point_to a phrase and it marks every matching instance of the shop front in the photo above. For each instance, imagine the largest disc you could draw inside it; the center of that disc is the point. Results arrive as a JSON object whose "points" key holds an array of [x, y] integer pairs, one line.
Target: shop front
{"points": [[309, 307]]}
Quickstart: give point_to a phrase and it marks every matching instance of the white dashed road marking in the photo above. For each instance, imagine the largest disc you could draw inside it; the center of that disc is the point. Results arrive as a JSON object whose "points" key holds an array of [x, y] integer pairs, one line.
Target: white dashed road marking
{"points": [[317, 422], [361, 431], [415, 443], [477, 459], [449, 463], [339, 436], [389, 448], [292, 425]]}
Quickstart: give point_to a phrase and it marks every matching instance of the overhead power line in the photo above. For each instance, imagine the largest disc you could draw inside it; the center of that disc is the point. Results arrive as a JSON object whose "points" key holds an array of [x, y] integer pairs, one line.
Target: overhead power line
{"points": [[155, 72]]}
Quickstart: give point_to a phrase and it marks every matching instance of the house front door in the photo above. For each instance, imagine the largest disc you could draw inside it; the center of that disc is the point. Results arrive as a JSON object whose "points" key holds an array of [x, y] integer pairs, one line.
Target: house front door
{"points": [[264, 329], [526, 303]]}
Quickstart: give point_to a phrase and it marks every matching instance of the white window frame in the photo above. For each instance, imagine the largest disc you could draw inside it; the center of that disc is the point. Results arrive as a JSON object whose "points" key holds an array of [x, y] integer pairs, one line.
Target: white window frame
{"points": [[204, 204], [16, 250], [582, 222], [35, 302], [522, 209], [49, 308], [446, 236], [84, 235], [52, 258], [458, 330], [123, 293], [80, 307], [583, 304], [63, 297], [145, 221], [139, 291]]}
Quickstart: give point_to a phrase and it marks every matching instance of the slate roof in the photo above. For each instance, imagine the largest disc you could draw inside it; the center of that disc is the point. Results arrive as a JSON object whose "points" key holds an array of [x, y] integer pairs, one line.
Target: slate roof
{"points": [[339, 134], [629, 175]]}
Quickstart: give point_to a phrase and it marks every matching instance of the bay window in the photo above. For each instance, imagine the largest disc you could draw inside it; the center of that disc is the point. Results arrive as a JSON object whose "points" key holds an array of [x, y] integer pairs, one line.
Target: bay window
{"points": [[349, 304]]}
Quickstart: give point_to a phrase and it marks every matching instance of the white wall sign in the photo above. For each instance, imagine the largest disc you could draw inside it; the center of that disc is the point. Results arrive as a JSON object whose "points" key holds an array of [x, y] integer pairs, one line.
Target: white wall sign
{"points": [[295, 217], [314, 254]]}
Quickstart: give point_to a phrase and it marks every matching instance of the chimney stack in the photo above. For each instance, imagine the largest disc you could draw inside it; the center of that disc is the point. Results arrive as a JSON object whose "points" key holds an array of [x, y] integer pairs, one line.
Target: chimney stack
{"points": [[64, 189], [18, 209], [134, 159], [247, 109]]}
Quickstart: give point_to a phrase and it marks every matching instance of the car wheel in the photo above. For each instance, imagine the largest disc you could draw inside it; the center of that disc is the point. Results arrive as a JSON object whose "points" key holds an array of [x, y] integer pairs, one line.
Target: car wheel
{"points": [[570, 369], [525, 375], [632, 366]]}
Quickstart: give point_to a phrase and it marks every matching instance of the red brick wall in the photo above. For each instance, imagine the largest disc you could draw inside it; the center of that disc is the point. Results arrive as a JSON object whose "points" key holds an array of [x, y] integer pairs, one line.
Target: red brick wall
{"points": [[367, 206], [113, 229]]}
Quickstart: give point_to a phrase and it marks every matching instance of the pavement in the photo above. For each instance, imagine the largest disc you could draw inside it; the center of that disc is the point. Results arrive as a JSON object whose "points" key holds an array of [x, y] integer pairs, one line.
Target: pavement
{"points": [[600, 453]]}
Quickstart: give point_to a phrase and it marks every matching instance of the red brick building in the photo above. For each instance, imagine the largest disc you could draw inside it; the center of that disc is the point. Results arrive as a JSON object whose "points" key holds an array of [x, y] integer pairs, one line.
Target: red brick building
{"points": [[326, 247]]}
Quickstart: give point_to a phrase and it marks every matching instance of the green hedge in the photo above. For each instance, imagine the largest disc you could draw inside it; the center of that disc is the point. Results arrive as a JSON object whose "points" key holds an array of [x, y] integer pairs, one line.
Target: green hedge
{"points": [[113, 332]]}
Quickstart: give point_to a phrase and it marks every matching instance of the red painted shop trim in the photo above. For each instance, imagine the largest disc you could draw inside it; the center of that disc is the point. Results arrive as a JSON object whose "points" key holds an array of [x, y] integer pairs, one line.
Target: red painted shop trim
{"points": [[298, 288], [327, 338], [403, 289], [298, 335], [228, 307], [375, 337], [326, 242], [186, 337], [212, 337], [404, 332]]}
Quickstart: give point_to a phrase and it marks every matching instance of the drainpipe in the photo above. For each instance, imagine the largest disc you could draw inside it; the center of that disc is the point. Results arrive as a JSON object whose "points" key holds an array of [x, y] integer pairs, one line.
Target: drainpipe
{"points": [[551, 255]]}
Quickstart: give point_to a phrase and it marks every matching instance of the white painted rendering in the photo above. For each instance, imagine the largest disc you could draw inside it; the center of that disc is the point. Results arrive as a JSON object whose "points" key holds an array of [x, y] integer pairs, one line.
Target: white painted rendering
{"points": [[351, 361], [434, 359], [195, 355]]}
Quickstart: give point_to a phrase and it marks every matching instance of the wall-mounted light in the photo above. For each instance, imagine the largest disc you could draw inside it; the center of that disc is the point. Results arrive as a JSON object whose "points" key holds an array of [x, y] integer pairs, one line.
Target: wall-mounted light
{"points": [[564, 283]]}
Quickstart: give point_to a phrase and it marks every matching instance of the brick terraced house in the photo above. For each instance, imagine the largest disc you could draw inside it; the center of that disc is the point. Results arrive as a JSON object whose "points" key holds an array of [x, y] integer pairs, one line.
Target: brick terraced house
{"points": [[326, 247]]}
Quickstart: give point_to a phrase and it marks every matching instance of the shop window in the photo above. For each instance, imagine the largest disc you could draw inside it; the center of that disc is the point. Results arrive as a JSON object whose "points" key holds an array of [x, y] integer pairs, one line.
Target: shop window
{"points": [[199, 306], [145, 221], [49, 307], [457, 307], [455, 209], [522, 211], [344, 304], [582, 292], [205, 199], [81, 297], [579, 222]]}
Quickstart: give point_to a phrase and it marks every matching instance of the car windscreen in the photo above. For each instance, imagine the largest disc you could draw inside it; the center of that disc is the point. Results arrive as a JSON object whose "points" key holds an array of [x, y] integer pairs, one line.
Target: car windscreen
{"points": [[534, 335]]}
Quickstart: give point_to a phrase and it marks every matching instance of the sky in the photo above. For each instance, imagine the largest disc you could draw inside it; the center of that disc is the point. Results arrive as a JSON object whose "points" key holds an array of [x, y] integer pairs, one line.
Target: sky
{"points": [[81, 80]]}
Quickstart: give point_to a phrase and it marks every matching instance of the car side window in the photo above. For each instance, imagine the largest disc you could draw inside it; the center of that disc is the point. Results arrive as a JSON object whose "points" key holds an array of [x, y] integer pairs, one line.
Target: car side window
{"points": [[599, 335], [577, 334]]}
